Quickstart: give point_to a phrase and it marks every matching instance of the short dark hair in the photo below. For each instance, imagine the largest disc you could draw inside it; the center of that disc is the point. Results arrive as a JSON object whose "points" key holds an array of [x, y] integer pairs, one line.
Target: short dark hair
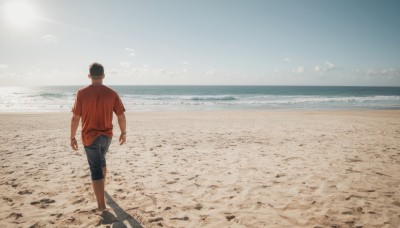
{"points": [[96, 70]]}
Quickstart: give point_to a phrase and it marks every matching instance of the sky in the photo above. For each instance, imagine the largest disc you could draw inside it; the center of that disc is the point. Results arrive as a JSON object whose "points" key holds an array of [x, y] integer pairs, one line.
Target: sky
{"points": [[207, 42]]}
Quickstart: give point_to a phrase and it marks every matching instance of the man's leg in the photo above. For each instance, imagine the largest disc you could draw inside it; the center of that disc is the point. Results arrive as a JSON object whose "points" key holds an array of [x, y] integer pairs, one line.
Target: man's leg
{"points": [[104, 174], [95, 160], [98, 187], [105, 143]]}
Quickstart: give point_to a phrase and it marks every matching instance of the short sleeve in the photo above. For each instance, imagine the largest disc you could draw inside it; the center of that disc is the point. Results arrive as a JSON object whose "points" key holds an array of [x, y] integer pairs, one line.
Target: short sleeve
{"points": [[118, 106], [77, 109]]}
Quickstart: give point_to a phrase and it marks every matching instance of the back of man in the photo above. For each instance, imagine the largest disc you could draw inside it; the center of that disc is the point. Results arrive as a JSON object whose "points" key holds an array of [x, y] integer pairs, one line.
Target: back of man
{"points": [[95, 104]]}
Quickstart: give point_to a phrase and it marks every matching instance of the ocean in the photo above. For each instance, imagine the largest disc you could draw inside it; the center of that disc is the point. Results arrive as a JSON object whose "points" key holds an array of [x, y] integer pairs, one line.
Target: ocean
{"points": [[177, 98]]}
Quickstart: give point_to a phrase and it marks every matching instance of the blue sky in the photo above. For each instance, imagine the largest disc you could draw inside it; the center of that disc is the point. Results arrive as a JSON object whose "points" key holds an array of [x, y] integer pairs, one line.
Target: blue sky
{"points": [[298, 42]]}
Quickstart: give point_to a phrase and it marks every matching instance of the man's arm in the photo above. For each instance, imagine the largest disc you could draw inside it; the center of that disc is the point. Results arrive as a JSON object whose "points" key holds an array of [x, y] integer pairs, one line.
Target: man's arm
{"points": [[122, 127], [74, 127]]}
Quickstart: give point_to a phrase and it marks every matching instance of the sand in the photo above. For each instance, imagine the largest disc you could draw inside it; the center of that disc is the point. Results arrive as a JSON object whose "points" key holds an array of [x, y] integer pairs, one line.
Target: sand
{"points": [[208, 169]]}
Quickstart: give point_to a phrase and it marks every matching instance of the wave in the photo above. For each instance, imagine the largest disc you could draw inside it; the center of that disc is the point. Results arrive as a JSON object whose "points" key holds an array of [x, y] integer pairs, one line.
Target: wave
{"points": [[263, 99], [181, 97], [51, 95], [214, 98], [320, 99]]}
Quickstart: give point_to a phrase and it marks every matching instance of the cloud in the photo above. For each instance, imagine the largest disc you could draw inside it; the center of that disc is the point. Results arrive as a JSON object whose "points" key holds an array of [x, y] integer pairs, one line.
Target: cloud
{"points": [[131, 52], [299, 70], [10, 77], [125, 64], [327, 67], [113, 71], [287, 59], [388, 72], [3, 66], [330, 66], [210, 72], [185, 63], [49, 38]]}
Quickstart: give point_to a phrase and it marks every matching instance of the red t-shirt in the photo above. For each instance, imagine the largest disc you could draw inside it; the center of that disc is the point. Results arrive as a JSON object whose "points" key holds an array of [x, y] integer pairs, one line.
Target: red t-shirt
{"points": [[96, 104]]}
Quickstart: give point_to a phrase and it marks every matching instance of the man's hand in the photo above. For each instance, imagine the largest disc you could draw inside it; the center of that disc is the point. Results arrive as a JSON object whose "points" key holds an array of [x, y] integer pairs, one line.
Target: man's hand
{"points": [[122, 127], [74, 126], [122, 138], [74, 144]]}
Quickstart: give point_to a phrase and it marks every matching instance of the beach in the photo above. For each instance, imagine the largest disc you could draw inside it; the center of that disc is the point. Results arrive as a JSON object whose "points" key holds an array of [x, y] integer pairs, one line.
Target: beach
{"points": [[283, 168]]}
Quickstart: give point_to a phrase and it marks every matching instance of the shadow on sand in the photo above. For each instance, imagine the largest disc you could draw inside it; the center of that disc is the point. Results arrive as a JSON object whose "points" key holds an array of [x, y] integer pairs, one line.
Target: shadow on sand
{"points": [[122, 217]]}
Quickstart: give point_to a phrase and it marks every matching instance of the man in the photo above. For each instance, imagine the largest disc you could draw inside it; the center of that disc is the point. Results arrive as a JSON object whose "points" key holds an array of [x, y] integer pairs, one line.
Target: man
{"points": [[95, 104]]}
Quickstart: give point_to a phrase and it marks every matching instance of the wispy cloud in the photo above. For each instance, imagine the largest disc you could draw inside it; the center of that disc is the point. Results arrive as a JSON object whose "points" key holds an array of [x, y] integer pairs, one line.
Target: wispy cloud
{"points": [[210, 72], [131, 52], [3, 66], [388, 72], [287, 59], [49, 38], [125, 64], [299, 70], [328, 66], [80, 28], [113, 71]]}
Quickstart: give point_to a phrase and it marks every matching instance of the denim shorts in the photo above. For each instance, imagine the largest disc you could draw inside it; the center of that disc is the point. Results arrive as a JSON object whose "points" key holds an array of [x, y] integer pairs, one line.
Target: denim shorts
{"points": [[96, 156]]}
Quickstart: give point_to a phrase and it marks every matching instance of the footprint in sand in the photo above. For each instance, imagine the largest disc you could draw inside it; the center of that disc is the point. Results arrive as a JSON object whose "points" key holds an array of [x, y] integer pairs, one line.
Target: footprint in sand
{"points": [[43, 203], [185, 218], [25, 192], [15, 215], [198, 206], [85, 212], [84, 176], [9, 200], [156, 219], [79, 201], [57, 215]]}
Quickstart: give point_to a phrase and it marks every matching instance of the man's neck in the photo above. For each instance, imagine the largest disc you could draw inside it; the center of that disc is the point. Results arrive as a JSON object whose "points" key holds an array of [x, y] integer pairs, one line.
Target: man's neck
{"points": [[97, 82]]}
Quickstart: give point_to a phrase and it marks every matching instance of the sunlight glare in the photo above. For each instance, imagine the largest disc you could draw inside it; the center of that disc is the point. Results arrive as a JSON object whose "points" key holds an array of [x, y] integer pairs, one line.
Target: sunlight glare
{"points": [[20, 13]]}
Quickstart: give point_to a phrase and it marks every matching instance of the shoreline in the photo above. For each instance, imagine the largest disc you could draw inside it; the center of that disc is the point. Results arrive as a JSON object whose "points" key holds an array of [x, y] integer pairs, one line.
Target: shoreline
{"points": [[217, 111]]}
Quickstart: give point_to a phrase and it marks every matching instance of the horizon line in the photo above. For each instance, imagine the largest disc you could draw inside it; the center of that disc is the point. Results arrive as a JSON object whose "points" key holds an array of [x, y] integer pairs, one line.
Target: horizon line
{"points": [[252, 85]]}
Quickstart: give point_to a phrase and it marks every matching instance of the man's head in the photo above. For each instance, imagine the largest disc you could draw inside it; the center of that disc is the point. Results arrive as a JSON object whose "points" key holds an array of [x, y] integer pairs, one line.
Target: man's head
{"points": [[96, 71]]}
